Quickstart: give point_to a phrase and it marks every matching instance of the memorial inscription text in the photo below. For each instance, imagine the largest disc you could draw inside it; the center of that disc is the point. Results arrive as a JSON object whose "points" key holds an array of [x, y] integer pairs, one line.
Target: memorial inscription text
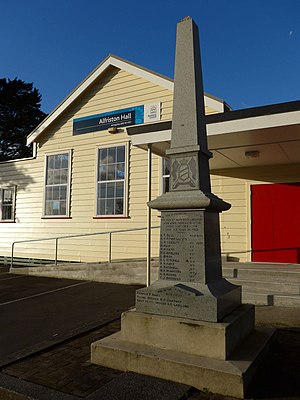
{"points": [[181, 245]]}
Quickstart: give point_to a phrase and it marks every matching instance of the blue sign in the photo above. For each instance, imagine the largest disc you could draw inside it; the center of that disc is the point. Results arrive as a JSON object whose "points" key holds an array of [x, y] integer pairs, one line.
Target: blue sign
{"points": [[100, 122]]}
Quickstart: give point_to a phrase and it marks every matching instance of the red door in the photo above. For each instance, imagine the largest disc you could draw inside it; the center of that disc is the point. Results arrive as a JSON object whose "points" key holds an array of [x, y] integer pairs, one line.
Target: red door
{"points": [[276, 222]]}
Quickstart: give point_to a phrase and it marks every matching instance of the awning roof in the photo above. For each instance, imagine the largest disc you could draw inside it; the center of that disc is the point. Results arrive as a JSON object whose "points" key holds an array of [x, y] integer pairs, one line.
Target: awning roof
{"points": [[267, 135]]}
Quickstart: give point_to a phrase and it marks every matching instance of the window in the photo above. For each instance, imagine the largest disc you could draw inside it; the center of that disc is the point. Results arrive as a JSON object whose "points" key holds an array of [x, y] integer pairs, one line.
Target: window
{"points": [[165, 174], [7, 203], [57, 185], [111, 181]]}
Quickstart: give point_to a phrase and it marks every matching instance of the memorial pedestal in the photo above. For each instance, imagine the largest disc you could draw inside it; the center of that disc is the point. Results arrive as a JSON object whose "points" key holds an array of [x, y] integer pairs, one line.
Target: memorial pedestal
{"points": [[217, 357], [190, 281]]}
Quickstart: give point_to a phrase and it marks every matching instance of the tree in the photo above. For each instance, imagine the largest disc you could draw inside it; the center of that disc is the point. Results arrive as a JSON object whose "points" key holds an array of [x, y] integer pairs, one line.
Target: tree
{"points": [[20, 113]]}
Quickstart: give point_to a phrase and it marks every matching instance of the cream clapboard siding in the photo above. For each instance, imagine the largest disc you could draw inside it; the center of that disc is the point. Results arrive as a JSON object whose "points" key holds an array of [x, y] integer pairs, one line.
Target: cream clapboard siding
{"points": [[116, 90], [234, 222], [26, 175]]}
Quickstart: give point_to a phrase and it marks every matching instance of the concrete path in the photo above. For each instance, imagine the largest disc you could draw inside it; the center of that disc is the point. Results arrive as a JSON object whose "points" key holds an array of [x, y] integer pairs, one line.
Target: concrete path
{"points": [[38, 312], [58, 367]]}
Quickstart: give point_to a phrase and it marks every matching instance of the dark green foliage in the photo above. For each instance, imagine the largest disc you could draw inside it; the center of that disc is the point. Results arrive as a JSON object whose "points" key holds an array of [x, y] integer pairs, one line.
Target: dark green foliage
{"points": [[20, 113]]}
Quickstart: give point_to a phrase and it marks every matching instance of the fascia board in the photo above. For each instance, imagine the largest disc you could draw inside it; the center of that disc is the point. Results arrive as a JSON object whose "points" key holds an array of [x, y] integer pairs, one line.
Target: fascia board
{"points": [[254, 123], [151, 137]]}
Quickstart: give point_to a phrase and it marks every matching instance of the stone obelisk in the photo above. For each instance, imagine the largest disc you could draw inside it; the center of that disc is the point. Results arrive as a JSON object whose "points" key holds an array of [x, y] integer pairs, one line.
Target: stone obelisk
{"points": [[190, 281], [188, 326]]}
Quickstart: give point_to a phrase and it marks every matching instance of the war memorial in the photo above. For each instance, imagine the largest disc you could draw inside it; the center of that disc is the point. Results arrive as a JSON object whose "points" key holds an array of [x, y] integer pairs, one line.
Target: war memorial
{"points": [[190, 325]]}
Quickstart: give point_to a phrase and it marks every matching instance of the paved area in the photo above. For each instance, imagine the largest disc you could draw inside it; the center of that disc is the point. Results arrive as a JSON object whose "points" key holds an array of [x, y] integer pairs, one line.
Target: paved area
{"points": [[62, 369], [37, 312]]}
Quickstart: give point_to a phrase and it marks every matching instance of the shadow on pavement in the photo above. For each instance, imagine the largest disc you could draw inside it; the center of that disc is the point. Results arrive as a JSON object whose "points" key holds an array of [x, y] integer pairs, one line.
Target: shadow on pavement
{"points": [[278, 376], [36, 312]]}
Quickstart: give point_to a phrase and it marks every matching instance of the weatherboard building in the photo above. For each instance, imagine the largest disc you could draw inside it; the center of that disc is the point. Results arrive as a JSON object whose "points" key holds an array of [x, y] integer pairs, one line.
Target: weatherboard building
{"points": [[100, 156]]}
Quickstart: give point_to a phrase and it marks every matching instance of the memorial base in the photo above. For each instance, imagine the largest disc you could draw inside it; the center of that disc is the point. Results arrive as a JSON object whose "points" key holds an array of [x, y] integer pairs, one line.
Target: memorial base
{"points": [[208, 302], [216, 357]]}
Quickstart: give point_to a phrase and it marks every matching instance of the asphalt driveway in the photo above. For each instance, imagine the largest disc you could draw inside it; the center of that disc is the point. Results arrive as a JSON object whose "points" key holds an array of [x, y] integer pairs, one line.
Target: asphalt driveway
{"points": [[36, 312]]}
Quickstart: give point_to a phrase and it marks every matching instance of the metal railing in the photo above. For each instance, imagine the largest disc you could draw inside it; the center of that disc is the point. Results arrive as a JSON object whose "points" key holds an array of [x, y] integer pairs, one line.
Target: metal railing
{"points": [[57, 238]]}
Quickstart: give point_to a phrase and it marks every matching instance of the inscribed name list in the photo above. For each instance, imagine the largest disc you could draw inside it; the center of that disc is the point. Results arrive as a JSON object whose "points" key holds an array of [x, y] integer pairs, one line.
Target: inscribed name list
{"points": [[181, 246]]}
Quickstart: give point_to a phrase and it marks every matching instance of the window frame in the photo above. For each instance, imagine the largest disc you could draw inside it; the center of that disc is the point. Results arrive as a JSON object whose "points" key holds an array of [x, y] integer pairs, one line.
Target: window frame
{"points": [[164, 176], [14, 190], [68, 197], [126, 181]]}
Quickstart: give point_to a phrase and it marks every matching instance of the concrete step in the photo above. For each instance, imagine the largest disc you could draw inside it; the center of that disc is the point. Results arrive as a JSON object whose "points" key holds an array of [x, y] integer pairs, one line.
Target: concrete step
{"points": [[283, 300], [262, 283], [273, 284], [267, 287], [263, 272], [286, 301], [130, 272]]}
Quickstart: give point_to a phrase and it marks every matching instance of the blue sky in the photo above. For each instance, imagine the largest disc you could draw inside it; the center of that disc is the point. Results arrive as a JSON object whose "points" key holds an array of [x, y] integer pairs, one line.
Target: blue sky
{"points": [[250, 49]]}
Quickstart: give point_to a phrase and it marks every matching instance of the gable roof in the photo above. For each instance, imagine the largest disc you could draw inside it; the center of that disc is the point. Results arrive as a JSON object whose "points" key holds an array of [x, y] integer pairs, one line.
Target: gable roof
{"points": [[114, 61]]}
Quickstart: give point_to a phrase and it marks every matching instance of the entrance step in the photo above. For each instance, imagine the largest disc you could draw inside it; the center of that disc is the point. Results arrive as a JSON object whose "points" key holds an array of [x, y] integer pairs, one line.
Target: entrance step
{"points": [[128, 272], [263, 272], [263, 299], [266, 286], [262, 283], [272, 284]]}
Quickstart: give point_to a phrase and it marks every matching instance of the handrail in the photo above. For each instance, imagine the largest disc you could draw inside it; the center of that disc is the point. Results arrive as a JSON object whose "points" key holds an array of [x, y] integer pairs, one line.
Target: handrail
{"points": [[57, 238]]}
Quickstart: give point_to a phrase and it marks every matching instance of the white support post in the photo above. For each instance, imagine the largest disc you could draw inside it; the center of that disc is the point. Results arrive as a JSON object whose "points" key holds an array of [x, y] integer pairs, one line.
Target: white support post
{"points": [[56, 250], [149, 214], [109, 246]]}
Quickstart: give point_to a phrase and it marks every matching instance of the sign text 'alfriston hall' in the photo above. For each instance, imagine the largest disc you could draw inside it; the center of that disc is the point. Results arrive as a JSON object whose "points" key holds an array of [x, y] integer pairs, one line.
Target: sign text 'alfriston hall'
{"points": [[125, 117]]}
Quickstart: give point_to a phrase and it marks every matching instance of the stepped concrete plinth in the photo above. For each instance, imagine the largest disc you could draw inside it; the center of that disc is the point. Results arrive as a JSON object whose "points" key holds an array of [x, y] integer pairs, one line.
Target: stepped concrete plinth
{"points": [[189, 326], [205, 339], [215, 357]]}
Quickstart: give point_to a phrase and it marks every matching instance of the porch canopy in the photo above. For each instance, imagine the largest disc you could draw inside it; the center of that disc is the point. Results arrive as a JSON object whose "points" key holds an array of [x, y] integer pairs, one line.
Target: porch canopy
{"points": [[260, 136]]}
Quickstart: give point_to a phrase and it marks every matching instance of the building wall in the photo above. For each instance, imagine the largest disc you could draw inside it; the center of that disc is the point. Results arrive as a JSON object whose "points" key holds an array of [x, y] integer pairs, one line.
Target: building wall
{"points": [[115, 90]]}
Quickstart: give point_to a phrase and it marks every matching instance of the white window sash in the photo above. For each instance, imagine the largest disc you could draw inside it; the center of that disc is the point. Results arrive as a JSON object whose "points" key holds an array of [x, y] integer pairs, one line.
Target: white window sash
{"points": [[163, 176], [124, 181], [60, 185], [13, 204]]}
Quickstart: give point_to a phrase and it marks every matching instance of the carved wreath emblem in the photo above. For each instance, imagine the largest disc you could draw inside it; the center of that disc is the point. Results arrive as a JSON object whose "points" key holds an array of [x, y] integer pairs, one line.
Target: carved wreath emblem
{"points": [[184, 172]]}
